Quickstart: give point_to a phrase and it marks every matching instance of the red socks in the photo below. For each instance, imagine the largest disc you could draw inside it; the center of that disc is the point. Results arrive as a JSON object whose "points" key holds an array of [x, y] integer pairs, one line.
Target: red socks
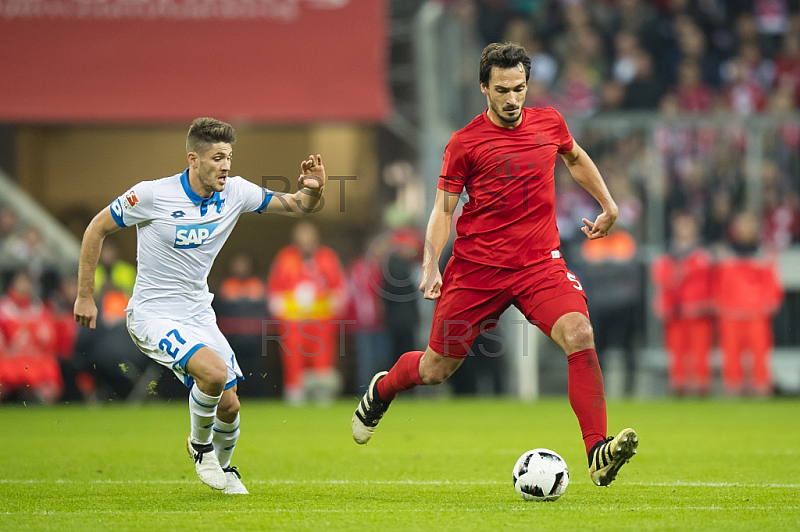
{"points": [[404, 375], [586, 396]]}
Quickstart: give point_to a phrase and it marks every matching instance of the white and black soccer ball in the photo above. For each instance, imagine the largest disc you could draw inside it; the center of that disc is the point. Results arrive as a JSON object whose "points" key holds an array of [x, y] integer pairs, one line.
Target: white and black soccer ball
{"points": [[540, 475]]}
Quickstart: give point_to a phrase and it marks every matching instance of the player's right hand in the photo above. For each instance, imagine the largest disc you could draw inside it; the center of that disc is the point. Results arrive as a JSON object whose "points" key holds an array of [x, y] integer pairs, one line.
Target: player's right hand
{"points": [[85, 312], [431, 285]]}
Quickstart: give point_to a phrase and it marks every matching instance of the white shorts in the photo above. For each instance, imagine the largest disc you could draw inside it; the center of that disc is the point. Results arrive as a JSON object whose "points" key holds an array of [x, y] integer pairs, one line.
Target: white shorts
{"points": [[171, 343]]}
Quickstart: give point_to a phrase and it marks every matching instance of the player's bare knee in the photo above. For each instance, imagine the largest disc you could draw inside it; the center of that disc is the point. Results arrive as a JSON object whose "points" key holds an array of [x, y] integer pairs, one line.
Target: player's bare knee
{"points": [[433, 378], [211, 375], [228, 408], [435, 373], [579, 337]]}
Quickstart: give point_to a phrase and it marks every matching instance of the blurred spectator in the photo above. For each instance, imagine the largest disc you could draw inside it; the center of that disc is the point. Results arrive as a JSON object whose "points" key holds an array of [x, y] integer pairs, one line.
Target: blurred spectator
{"points": [[492, 18], [538, 96], [772, 20], [645, 90], [745, 28], [787, 67], [366, 309], [612, 96], [241, 308], [78, 383], [748, 293], [781, 218], [544, 67], [108, 353], [27, 250], [400, 284], [8, 225], [758, 69], [743, 94], [613, 283], [694, 95], [28, 363], [626, 46], [112, 272], [572, 205], [576, 91], [682, 278], [693, 46], [306, 291]]}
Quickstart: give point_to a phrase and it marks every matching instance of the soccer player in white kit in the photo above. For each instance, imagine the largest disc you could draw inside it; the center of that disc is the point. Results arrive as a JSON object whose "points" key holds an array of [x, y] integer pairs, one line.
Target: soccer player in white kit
{"points": [[181, 223]]}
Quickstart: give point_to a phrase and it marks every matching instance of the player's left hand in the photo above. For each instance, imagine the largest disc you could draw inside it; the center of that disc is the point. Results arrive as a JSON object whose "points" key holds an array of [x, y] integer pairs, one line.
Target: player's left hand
{"points": [[312, 173], [600, 228]]}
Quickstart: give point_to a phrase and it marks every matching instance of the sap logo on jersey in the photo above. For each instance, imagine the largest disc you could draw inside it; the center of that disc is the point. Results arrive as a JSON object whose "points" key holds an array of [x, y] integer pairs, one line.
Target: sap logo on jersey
{"points": [[192, 236]]}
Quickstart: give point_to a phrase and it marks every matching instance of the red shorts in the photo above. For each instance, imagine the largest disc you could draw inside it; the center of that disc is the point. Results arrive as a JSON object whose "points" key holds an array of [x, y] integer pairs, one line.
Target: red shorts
{"points": [[474, 296]]}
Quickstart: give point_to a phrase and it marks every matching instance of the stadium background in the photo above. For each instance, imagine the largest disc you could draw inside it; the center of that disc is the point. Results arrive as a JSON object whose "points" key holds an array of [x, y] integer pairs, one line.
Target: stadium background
{"points": [[101, 92]]}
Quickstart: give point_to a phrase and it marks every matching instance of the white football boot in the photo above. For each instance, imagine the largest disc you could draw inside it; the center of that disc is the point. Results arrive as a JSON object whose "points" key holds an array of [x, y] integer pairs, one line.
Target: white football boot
{"points": [[206, 464], [235, 486]]}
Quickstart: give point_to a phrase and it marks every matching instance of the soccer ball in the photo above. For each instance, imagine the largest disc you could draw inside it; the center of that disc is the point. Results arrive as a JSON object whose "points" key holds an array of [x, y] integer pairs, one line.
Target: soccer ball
{"points": [[540, 475]]}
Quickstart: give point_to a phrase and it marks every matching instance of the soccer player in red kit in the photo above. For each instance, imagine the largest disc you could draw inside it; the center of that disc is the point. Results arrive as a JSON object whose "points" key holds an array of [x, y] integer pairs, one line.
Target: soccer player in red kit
{"points": [[507, 253]]}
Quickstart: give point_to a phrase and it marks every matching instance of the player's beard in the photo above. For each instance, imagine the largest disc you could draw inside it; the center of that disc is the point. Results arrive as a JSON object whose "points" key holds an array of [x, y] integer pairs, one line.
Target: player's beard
{"points": [[210, 181], [505, 117]]}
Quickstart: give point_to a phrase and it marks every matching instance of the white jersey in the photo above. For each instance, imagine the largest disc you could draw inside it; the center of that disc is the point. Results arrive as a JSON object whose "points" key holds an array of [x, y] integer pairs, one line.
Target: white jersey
{"points": [[179, 234]]}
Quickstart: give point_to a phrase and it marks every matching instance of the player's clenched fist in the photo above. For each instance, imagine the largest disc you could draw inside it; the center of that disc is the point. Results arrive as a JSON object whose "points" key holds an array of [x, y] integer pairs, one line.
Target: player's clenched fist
{"points": [[85, 312]]}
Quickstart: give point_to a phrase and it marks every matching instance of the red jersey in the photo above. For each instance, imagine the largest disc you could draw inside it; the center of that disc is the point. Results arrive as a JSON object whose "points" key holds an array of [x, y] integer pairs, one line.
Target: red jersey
{"points": [[510, 218]]}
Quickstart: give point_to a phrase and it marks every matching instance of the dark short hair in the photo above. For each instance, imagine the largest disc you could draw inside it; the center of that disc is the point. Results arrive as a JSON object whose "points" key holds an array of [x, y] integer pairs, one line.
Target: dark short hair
{"points": [[206, 131], [503, 55]]}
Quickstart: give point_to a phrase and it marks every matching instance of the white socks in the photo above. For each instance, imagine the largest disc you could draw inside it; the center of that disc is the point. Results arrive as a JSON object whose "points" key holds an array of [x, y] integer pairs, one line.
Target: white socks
{"points": [[202, 411], [225, 436]]}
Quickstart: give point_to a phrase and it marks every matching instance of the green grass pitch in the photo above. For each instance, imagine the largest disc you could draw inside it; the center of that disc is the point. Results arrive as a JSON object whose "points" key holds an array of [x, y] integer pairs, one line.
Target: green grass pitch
{"points": [[432, 465]]}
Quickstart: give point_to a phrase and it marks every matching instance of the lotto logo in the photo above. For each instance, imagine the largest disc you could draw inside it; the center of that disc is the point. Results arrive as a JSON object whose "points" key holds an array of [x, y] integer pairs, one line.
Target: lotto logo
{"points": [[192, 236]]}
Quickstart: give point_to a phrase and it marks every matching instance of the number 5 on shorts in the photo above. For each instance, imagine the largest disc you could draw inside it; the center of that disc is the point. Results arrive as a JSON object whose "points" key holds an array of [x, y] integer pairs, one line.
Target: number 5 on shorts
{"points": [[574, 279]]}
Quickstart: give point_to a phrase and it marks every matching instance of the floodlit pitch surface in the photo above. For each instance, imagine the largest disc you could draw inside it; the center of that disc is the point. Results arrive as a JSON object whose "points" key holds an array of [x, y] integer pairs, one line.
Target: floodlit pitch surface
{"points": [[433, 465]]}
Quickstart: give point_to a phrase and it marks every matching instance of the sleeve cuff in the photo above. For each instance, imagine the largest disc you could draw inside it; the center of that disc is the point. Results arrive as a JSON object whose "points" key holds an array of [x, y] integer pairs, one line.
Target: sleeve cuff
{"points": [[265, 201], [117, 218], [453, 188]]}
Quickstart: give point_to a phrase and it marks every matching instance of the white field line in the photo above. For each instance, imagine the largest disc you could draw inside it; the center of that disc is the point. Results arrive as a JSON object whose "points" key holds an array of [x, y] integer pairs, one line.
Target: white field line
{"points": [[407, 482], [394, 510]]}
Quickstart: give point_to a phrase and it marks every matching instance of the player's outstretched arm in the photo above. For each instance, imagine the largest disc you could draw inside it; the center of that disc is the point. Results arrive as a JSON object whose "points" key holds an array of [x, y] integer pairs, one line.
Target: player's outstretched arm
{"points": [[436, 235], [587, 175], [310, 186], [85, 310]]}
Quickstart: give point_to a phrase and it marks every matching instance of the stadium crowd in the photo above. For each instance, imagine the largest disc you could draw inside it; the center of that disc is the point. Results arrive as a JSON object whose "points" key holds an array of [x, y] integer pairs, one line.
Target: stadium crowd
{"points": [[703, 56]]}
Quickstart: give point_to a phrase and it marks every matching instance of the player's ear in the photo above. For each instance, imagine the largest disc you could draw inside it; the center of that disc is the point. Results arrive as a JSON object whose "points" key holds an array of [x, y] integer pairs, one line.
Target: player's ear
{"points": [[192, 158], [484, 90]]}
